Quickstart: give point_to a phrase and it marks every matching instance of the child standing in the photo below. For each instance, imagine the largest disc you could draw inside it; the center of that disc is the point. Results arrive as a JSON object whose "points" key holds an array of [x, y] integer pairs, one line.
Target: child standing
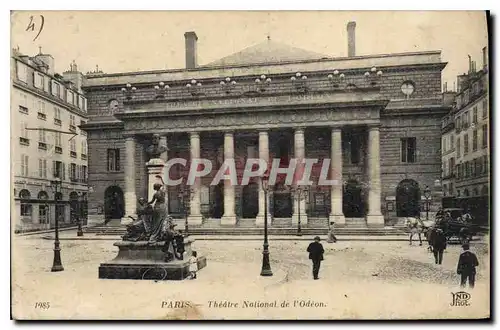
{"points": [[193, 265]]}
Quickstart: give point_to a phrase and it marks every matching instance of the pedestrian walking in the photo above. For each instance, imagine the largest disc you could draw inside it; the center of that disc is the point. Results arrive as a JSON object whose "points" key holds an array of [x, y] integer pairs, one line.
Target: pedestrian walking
{"points": [[316, 252], [193, 265], [331, 233], [466, 268], [438, 244]]}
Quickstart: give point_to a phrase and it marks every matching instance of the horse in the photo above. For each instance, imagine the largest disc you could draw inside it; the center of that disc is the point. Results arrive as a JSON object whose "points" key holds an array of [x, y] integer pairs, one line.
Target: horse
{"points": [[416, 226]]}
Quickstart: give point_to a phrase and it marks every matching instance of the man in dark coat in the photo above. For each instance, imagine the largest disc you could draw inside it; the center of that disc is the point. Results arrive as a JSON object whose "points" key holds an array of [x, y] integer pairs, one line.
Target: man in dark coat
{"points": [[466, 267], [316, 251], [438, 244]]}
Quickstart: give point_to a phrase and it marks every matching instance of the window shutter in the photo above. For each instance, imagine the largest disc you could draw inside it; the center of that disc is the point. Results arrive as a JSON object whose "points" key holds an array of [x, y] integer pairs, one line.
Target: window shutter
{"points": [[54, 168], [117, 159], [63, 171], [77, 174]]}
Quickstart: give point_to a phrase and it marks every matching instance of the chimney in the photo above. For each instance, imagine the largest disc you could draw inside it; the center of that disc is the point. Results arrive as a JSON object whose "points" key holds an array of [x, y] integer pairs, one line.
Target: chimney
{"points": [[191, 53], [351, 39], [485, 58]]}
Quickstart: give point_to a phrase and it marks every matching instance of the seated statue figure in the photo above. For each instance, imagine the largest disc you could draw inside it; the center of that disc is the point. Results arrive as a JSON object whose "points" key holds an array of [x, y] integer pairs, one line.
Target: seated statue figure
{"points": [[140, 228], [174, 242]]}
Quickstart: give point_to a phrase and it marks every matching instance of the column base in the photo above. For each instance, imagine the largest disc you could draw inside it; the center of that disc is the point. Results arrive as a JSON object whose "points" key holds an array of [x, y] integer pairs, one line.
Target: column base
{"points": [[375, 220], [126, 220], [228, 220], [196, 220], [260, 219], [303, 219], [339, 220]]}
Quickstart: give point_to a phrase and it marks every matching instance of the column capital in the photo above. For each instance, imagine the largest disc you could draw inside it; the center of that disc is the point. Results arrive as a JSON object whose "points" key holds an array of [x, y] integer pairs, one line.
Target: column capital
{"points": [[228, 133], [263, 132], [299, 130], [194, 134], [373, 127]]}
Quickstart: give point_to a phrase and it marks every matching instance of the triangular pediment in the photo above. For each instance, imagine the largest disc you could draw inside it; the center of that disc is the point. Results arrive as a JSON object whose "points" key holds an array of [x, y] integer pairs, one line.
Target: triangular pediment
{"points": [[268, 52]]}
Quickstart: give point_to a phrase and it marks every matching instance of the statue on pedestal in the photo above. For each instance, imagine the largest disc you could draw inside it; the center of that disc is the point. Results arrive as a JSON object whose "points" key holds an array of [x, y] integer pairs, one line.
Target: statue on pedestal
{"points": [[155, 149]]}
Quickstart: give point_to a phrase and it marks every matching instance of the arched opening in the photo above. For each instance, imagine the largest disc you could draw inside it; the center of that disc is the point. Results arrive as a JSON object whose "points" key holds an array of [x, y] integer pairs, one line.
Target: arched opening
{"points": [[218, 201], [353, 204], [282, 202], [408, 199], [250, 200], [113, 203], [26, 207]]}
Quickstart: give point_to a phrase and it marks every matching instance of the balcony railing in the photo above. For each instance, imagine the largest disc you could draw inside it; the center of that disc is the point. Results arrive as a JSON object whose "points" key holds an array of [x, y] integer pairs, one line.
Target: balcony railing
{"points": [[58, 150], [23, 109], [24, 141], [83, 156], [58, 122], [72, 154], [42, 145], [42, 116], [72, 128]]}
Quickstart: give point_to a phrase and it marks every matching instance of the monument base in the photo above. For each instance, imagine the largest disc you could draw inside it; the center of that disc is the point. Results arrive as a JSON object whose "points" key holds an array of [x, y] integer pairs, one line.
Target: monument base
{"points": [[145, 261]]}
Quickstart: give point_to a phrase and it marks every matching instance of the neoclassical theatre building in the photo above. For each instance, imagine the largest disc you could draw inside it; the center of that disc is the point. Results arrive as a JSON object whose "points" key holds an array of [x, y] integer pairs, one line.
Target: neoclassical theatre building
{"points": [[377, 117]]}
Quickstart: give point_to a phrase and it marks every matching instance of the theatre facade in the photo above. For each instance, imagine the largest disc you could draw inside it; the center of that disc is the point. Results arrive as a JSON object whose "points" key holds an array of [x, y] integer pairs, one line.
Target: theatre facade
{"points": [[376, 118]]}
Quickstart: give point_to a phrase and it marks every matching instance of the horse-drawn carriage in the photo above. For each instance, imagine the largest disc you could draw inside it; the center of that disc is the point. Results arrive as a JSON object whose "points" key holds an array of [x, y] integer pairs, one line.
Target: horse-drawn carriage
{"points": [[455, 224]]}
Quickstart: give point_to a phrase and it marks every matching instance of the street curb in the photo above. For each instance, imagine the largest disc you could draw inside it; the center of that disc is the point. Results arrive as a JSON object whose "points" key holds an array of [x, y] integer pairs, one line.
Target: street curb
{"points": [[235, 238], [48, 231]]}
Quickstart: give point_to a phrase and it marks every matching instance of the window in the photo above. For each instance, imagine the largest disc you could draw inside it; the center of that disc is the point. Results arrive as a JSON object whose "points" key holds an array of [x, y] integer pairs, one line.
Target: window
{"points": [[84, 105], [42, 136], [485, 135], [466, 97], [42, 214], [444, 144], [465, 120], [408, 150], [58, 139], [38, 80], [473, 168], [72, 175], [459, 149], [41, 110], [26, 209], [458, 171], [24, 165], [479, 169], [485, 164], [23, 138], [452, 142], [83, 173], [466, 144], [113, 160], [55, 88], [22, 72], [474, 140], [467, 169], [42, 168], [72, 126], [57, 116], [474, 115], [82, 132], [485, 109], [84, 147], [58, 170], [457, 123], [80, 101], [69, 96], [72, 145]]}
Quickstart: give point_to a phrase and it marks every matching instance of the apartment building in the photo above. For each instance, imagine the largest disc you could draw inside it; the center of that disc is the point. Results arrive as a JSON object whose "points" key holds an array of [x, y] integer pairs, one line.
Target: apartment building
{"points": [[46, 143]]}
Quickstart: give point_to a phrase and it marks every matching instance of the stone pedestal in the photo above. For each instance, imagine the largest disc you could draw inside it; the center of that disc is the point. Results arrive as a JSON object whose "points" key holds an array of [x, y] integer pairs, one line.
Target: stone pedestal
{"points": [[144, 261], [155, 167]]}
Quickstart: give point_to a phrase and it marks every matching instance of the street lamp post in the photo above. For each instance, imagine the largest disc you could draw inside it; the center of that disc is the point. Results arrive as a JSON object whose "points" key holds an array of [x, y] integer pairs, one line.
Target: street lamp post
{"points": [[300, 193], [183, 192], [79, 232], [266, 267], [57, 265], [427, 195]]}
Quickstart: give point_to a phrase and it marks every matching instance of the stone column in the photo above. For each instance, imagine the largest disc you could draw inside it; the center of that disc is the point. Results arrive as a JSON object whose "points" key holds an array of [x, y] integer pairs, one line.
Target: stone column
{"points": [[229, 217], [336, 190], [300, 155], [195, 217], [264, 155], [130, 196], [374, 217]]}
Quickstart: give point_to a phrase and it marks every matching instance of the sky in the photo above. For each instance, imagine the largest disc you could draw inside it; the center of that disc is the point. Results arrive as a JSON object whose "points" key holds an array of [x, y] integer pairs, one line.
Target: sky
{"points": [[149, 40]]}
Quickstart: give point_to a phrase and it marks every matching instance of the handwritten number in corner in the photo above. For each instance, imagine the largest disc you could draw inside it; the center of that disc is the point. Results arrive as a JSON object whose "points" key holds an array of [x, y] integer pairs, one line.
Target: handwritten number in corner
{"points": [[32, 26]]}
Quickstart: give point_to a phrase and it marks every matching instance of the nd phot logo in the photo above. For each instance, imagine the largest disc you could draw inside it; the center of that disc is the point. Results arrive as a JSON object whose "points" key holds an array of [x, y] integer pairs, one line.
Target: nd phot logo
{"points": [[460, 298]]}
